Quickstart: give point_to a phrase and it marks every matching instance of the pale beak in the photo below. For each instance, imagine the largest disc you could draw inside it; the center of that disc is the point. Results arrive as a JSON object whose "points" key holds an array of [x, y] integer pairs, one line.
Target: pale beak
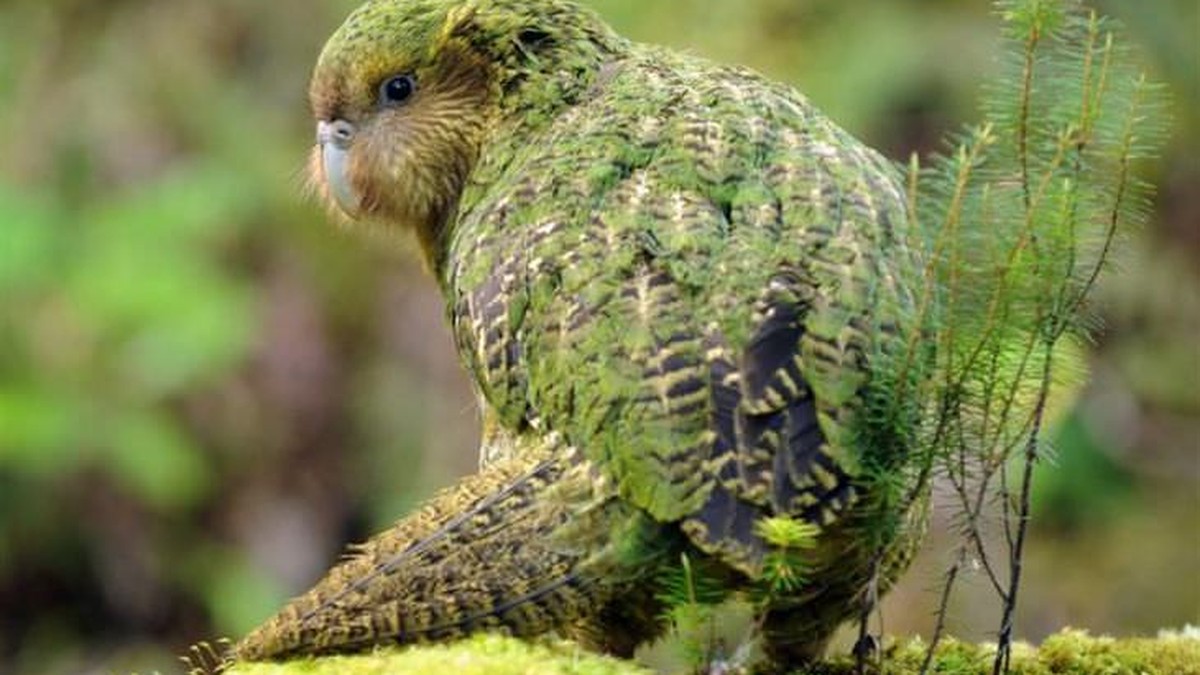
{"points": [[335, 138]]}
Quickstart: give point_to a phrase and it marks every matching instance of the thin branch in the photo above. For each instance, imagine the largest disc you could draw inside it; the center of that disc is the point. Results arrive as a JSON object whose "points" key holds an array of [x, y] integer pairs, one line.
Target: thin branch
{"points": [[1031, 44], [943, 610], [1114, 214], [973, 509], [1016, 559]]}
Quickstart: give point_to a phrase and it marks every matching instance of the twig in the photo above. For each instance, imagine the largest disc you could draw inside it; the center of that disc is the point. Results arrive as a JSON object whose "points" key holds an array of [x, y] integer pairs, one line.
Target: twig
{"points": [[1004, 643], [943, 609]]}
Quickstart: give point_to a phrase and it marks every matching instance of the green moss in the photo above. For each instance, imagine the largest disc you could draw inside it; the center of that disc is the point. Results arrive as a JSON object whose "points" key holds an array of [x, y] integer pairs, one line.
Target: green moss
{"points": [[479, 655], [1070, 652]]}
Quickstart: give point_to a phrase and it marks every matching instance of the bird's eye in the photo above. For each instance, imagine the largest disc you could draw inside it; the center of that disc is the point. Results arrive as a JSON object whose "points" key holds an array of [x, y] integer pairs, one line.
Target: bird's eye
{"points": [[397, 89]]}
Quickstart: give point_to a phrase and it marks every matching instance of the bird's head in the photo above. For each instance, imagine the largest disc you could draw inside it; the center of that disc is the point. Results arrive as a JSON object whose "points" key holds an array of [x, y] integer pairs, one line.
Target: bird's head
{"points": [[407, 92]]}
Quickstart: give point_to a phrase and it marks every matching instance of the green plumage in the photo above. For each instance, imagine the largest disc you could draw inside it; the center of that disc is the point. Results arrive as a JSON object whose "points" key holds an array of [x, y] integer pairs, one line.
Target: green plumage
{"points": [[671, 282]]}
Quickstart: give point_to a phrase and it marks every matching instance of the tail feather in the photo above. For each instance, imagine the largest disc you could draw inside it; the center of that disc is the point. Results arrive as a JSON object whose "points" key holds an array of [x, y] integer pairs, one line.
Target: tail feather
{"points": [[513, 498], [488, 553]]}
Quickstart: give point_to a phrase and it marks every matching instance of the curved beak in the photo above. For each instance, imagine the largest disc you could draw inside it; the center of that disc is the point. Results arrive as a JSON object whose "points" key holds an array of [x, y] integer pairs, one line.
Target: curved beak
{"points": [[335, 138]]}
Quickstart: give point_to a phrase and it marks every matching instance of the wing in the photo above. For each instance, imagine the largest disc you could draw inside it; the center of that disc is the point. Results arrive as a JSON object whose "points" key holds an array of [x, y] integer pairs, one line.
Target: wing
{"points": [[685, 276]]}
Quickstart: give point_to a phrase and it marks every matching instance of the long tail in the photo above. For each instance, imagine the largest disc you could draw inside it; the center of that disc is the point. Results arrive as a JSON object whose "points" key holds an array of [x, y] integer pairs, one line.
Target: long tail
{"points": [[513, 547]]}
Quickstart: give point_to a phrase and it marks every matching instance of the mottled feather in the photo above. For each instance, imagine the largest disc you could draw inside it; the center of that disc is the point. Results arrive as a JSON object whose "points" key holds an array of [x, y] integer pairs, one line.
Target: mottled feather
{"points": [[667, 279]]}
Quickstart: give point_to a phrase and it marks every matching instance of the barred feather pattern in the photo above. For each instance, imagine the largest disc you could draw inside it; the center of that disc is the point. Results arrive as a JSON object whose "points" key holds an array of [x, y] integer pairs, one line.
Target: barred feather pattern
{"points": [[684, 274], [478, 556], [669, 281]]}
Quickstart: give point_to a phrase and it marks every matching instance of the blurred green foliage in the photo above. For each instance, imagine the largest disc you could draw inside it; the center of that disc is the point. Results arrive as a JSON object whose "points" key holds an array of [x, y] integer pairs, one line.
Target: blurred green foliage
{"points": [[205, 390]]}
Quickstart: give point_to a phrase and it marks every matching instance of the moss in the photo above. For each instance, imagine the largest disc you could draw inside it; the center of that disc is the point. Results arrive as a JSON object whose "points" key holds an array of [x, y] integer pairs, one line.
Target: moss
{"points": [[479, 655], [1070, 652]]}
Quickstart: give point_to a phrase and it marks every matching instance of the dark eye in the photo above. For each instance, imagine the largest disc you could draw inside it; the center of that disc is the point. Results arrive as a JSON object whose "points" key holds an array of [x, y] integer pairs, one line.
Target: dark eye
{"points": [[397, 89]]}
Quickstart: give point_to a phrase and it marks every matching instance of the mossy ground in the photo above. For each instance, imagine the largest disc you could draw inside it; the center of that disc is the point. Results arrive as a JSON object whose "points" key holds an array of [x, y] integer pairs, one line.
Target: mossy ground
{"points": [[1070, 652], [479, 655]]}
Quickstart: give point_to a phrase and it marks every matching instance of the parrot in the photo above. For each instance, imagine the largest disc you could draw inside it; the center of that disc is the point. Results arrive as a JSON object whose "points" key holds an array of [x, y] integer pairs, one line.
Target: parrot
{"points": [[675, 286]]}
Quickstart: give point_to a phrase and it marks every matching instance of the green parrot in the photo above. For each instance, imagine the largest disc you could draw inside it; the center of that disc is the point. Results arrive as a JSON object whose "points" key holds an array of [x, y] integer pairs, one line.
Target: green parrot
{"points": [[672, 283]]}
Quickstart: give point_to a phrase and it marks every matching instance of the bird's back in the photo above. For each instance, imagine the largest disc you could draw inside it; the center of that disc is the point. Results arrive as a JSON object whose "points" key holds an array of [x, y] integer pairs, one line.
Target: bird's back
{"points": [[686, 274]]}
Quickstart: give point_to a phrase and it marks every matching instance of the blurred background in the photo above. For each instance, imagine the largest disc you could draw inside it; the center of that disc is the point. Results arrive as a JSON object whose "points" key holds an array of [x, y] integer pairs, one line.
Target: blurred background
{"points": [[205, 390]]}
